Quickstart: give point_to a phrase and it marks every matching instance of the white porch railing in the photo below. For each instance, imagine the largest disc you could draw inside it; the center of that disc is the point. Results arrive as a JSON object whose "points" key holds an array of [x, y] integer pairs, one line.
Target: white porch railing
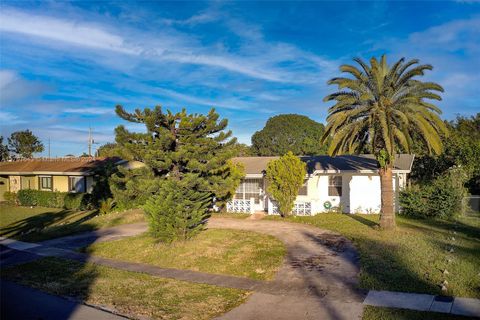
{"points": [[240, 205]]}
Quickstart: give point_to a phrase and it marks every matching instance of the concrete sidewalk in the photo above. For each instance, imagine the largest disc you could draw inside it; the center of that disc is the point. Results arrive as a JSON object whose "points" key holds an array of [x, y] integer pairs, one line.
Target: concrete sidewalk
{"points": [[424, 302]]}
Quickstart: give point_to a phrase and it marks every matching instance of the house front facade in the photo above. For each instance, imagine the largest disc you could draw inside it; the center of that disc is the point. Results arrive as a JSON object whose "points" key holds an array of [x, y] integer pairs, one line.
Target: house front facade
{"points": [[58, 174], [349, 184]]}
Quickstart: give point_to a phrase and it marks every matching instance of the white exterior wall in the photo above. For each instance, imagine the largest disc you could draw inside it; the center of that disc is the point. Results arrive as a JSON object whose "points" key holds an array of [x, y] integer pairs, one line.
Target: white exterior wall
{"points": [[365, 194], [361, 193]]}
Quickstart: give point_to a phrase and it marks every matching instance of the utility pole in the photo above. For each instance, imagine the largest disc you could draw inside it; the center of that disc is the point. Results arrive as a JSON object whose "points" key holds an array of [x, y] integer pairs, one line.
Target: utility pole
{"points": [[90, 141], [49, 147]]}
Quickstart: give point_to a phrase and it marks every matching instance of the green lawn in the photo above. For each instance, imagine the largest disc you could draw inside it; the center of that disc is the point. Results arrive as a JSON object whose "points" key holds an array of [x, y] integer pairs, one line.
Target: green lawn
{"points": [[220, 251], [38, 223], [134, 294], [413, 257]]}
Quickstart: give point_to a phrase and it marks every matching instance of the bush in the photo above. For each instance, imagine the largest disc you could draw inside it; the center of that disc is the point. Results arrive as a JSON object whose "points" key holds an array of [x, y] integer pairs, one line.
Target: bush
{"points": [[78, 201], [285, 176], [176, 212], [10, 197], [54, 199], [106, 206], [441, 198]]}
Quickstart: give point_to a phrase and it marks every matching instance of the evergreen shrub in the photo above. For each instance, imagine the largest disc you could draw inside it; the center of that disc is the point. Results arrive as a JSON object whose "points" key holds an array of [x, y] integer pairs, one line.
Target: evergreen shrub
{"points": [[177, 212]]}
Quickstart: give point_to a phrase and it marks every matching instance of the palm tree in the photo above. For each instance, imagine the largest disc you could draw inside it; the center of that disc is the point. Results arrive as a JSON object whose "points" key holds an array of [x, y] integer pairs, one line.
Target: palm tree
{"points": [[379, 108]]}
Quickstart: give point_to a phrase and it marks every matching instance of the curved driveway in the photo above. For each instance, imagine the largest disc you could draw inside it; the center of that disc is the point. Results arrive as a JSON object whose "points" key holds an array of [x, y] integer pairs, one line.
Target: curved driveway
{"points": [[318, 279]]}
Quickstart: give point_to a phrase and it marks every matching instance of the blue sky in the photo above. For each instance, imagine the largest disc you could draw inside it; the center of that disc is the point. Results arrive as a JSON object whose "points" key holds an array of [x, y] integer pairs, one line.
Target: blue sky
{"points": [[64, 66]]}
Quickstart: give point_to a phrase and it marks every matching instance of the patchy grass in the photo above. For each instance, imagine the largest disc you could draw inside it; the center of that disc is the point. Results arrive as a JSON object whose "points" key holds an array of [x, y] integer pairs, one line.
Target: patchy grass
{"points": [[133, 294], [376, 313], [413, 257], [220, 251], [38, 223]]}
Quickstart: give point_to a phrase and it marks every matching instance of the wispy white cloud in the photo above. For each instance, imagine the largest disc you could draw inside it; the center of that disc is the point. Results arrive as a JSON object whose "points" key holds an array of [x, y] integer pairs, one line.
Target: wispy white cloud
{"points": [[13, 87], [77, 33], [205, 16], [89, 110], [463, 34], [10, 118], [452, 48], [265, 62]]}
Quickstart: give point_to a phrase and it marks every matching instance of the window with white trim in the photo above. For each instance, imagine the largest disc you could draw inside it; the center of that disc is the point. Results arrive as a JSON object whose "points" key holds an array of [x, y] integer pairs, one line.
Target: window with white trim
{"points": [[335, 186], [249, 188], [46, 183]]}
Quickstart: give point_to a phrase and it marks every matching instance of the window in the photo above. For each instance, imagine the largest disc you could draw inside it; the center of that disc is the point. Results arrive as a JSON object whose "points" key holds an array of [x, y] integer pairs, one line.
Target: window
{"points": [[46, 182], [335, 186], [76, 184], [249, 188], [303, 191]]}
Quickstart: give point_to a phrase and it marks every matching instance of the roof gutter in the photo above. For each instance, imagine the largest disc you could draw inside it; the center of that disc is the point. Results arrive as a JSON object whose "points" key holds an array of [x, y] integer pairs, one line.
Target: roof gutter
{"points": [[53, 173]]}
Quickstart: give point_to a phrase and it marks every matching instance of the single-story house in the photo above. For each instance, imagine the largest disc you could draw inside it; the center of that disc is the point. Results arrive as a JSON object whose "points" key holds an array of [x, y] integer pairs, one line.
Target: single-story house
{"points": [[349, 183], [55, 174]]}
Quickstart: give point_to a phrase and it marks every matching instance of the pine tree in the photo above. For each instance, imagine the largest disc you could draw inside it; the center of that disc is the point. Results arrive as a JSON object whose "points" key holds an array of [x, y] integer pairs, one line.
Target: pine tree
{"points": [[285, 176], [176, 212], [193, 150]]}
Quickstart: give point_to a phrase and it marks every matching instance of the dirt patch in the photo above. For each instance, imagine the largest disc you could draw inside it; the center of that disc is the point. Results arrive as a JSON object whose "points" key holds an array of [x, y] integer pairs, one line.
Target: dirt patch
{"points": [[334, 242], [313, 263]]}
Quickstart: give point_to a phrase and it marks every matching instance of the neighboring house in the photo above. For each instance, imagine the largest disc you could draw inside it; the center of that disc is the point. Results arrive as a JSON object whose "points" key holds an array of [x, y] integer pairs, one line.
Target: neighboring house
{"points": [[59, 174], [349, 183]]}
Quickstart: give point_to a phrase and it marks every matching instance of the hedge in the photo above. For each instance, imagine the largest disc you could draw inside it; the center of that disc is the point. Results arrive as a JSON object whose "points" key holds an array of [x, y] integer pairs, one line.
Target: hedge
{"points": [[54, 199], [441, 198]]}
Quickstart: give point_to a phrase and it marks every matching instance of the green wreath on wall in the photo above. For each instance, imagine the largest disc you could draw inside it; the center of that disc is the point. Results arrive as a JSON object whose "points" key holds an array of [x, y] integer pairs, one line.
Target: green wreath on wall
{"points": [[327, 205]]}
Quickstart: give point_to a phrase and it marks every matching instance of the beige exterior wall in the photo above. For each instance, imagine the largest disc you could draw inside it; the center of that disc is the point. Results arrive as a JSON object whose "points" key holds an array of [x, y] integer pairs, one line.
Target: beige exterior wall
{"points": [[4, 186], [60, 183], [29, 182]]}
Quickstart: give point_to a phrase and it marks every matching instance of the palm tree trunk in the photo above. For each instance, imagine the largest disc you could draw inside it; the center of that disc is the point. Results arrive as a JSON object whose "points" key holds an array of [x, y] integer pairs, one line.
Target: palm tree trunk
{"points": [[387, 217]]}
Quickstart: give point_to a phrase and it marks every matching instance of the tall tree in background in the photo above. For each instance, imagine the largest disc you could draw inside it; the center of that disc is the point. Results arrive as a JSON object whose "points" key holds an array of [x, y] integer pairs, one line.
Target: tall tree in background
{"points": [[24, 144], [382, 106], [190, 152], [461, 148], [110, 149], [3, 150], [243, 150], [289, 132], [285, 176]]}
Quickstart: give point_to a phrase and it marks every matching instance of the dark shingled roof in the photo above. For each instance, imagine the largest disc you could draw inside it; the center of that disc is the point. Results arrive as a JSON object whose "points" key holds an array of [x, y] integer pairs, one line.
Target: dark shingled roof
{"points": [[257, 165], [61, 165]]}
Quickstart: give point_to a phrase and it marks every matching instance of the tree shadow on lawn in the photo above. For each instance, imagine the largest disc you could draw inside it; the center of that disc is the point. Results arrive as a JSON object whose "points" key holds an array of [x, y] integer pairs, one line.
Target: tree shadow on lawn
{"points": [[362, 220], [52, 288], [442, 227], [382, 267], [32, 228]]}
